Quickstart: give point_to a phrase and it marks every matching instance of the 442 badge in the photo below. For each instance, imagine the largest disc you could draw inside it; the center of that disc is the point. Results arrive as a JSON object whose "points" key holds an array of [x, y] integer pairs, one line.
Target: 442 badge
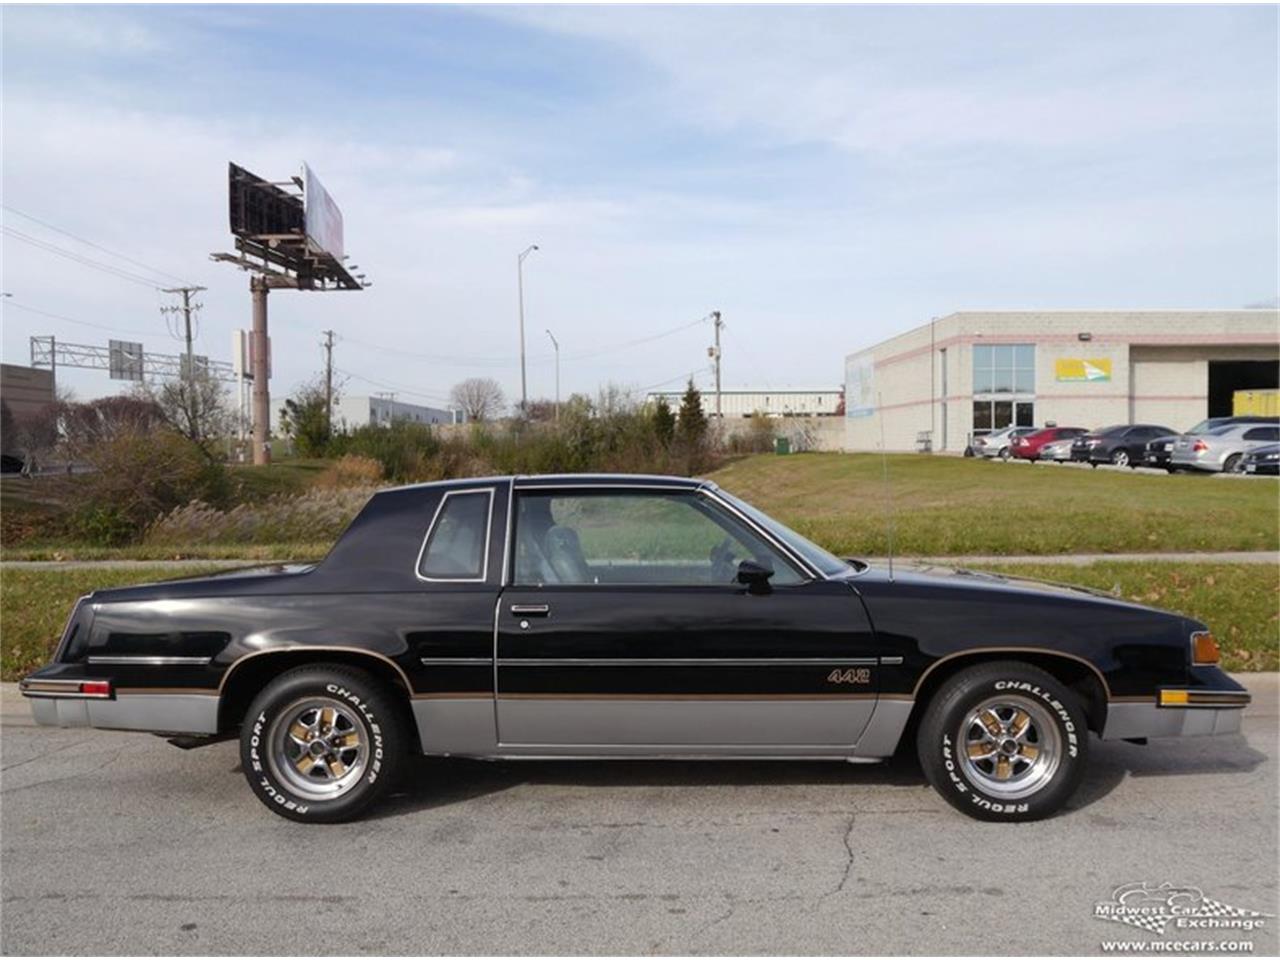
{"points": [[1169, 908]]}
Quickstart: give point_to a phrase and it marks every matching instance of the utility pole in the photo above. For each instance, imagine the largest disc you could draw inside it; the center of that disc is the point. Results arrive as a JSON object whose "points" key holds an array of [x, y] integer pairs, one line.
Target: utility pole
{"points": [[524, 386], [715, 314], [328, 383], [556, 343], [188, 375], [261, 391]]}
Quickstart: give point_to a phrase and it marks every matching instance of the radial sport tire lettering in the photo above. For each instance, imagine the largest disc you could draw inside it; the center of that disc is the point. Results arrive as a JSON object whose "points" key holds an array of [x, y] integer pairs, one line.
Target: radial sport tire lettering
{"points": [[946, 737], [370, 715]]}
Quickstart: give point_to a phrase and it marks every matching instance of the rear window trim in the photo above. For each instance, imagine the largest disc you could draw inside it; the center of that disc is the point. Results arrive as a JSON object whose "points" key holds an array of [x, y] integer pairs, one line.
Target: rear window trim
{"points": [[488, 538]]}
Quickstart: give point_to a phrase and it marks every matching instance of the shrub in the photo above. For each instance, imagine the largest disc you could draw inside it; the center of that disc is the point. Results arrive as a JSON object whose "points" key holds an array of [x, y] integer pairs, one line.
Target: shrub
{"points": [[404, 449], [319, 515], [138, 475], [352, 470]]}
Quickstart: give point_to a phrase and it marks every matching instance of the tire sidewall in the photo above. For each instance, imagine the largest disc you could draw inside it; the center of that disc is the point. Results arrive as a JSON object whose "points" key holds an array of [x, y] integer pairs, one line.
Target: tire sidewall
{"points": [[381, 726], [941, 740]]}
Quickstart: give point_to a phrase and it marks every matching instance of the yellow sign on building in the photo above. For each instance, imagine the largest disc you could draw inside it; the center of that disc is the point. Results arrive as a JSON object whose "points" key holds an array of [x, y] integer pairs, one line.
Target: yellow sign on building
{"points": [[1075, 369]]}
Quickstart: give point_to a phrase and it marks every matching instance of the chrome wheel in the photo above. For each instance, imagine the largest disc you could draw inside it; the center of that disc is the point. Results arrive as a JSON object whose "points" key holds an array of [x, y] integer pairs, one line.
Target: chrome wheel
{"points": [[1120, 458], [1011, 746], [319, 747]]}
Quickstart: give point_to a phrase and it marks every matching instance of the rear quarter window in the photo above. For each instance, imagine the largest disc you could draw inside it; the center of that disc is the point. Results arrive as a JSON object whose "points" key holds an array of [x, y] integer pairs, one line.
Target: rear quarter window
{"points": [[457, 544]]}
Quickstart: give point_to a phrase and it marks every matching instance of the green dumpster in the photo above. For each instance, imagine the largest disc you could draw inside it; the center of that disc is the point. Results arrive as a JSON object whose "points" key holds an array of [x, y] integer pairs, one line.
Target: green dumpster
{"points": [[781, 445]]}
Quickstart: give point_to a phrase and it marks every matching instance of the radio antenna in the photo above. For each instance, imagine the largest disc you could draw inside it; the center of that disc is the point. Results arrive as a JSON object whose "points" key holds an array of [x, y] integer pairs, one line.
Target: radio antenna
{"points": [[888, 492]]}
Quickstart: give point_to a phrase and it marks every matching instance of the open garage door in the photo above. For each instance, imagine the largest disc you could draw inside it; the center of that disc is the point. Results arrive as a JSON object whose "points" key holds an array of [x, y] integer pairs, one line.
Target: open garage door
{"points": [[1228, 376]]}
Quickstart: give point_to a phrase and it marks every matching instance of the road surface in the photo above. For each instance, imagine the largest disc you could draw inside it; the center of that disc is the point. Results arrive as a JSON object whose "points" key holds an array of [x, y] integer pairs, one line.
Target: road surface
{"points": [[119, 843]]}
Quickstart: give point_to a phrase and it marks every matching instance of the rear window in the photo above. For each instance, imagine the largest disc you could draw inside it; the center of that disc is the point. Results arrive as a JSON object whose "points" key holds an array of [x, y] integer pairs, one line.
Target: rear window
{"points": [[455, 548]]}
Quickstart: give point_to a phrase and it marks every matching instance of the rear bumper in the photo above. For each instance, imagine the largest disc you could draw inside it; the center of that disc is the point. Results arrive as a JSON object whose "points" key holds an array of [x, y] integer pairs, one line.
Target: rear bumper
{"points": [[159, 712]]}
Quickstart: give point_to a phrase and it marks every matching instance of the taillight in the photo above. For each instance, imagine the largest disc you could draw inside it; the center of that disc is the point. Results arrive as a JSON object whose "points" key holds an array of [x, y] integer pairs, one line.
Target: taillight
{"points": [[96, 688], [1199, 446]]}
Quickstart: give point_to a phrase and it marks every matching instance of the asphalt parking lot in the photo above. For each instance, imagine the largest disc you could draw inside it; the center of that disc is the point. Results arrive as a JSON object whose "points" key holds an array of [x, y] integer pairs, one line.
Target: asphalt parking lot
{"points": [[120, 843]]}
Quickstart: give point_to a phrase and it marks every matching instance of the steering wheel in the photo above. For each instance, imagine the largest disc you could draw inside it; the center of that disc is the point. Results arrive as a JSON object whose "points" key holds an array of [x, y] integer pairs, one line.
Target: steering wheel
{"points": [[724, 569]]}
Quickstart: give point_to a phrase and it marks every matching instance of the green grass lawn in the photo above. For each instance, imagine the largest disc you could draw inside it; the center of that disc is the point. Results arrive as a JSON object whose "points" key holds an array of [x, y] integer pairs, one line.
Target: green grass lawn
{"points": [[1238, 601], [949, 505]]}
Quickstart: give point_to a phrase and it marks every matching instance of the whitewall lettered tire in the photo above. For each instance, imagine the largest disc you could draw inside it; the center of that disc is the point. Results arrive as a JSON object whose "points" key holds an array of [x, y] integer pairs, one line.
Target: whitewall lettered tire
{"points": [[1004, 741]]}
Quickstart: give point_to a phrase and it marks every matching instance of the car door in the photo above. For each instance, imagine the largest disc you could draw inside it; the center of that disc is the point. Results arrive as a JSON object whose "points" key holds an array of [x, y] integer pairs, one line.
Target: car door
{"points": [[623, 629]]}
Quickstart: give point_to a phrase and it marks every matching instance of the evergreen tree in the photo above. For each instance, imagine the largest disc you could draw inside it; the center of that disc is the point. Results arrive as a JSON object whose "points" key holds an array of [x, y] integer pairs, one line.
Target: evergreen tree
{"points": [[692, 425], [664, 421]]}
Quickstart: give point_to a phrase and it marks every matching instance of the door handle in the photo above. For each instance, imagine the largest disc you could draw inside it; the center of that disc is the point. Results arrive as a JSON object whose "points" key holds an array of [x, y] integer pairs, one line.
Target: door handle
{"points": [[530, 609]]}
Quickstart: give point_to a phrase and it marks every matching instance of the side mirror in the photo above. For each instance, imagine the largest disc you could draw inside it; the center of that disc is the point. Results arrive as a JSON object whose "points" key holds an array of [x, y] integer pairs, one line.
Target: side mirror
{"points": [[755, 576]]}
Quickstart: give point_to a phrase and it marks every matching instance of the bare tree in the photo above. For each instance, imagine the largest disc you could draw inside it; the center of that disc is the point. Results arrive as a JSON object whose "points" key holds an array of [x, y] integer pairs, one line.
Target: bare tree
{"points": [[196, 406], [479, 398]]}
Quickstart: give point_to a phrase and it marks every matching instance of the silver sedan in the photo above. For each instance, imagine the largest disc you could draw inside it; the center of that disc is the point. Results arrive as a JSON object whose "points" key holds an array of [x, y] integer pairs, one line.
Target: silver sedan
{"points": [[1221, 450]]}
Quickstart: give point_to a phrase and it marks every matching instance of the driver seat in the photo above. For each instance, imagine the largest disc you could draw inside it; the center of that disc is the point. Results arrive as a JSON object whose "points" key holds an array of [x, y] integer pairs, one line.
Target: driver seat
{"points": [[564, 553]]}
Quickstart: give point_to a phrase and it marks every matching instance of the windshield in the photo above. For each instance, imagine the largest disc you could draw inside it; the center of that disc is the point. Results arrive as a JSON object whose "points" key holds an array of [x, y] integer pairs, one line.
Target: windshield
{"points": [[828, 564], [1204, 426]]}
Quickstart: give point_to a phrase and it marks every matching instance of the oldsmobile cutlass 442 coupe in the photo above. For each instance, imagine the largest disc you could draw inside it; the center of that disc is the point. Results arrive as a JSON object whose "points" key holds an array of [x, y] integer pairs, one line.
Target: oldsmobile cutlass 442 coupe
{"points": [[626, 616]]}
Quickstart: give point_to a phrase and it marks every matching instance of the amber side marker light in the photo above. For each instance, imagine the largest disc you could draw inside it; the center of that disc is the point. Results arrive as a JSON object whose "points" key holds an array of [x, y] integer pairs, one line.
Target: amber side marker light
{"points": [[1174, 698], [1204, 649]]}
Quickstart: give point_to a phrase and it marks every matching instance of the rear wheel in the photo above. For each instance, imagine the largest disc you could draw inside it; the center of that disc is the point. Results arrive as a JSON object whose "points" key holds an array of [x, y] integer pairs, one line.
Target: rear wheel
{"points": [[1233, 464], [1005, 453], [322, 743], [1004, 741], [1120, 458]]}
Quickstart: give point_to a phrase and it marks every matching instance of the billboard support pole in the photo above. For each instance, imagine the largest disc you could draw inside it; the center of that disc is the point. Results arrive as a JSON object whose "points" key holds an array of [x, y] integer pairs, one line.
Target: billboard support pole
{"points": [[261, 391]]}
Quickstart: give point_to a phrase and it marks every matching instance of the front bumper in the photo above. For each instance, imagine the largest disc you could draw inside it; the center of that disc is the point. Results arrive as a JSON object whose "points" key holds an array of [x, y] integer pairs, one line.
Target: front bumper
{"points": [[1177, 712]]}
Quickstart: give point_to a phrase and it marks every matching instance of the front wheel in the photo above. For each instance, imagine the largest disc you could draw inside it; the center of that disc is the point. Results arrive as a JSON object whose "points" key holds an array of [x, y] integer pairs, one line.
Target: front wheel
{"points": [[1004, 741], [322, 743]]}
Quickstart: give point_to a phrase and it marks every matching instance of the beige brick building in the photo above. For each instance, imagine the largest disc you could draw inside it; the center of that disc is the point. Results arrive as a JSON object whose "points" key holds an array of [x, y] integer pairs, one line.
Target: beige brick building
{"points": [[971, 372]]}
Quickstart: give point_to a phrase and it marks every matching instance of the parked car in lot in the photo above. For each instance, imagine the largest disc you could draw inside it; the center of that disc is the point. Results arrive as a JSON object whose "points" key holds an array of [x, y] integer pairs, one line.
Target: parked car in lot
{"points": [[1059, 451], [1160, 450], [1223, 449], [625, 616], [998, 442], [1124, 444], [1028, 446], [1263, 460]]}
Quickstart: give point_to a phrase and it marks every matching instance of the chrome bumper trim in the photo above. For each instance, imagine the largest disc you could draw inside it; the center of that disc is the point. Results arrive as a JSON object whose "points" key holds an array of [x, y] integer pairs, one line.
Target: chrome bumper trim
{"points": [[156, 713], [148, 661], [1126, 721]]}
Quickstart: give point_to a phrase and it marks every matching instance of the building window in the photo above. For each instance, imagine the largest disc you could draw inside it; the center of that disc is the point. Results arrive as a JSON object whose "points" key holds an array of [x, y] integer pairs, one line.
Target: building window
{"points": [[991, 415], [1004, 368]]}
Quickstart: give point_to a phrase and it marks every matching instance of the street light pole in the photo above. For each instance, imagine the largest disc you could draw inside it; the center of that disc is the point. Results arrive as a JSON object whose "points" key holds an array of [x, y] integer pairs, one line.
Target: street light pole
{"points": [[556, 343], [524, 384]]}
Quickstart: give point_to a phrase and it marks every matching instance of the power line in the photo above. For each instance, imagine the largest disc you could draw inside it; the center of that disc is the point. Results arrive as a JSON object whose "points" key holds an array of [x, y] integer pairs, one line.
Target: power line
{"points": [[437, 397], [80, 259], [9, 302], [96, 246]]}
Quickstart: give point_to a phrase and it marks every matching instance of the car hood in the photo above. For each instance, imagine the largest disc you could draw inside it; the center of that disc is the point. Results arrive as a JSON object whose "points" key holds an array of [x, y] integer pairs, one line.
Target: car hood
{"points": [[949, 578]]}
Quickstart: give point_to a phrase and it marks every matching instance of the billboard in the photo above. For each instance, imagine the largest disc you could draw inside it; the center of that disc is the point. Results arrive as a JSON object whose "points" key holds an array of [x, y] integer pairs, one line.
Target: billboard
{"points": [[1080, 370], [859, 386], [323, 218], [259, 208], [124, 360]]}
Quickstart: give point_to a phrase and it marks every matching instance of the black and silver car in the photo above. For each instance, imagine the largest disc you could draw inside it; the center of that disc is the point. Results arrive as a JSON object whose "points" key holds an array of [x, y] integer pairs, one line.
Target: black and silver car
{"points": [[625, 616], [1124, 444], [1263, 460]]}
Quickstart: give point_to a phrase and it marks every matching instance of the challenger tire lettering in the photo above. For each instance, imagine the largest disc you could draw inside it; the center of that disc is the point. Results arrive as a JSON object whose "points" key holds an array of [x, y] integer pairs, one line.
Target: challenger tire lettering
{"points": [[1068, 725]]}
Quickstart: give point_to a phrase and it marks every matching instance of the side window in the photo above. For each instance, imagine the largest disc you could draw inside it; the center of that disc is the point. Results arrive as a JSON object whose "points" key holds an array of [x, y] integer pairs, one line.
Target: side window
{"points": [[634, 538], [1263, 433], [457, 543]]}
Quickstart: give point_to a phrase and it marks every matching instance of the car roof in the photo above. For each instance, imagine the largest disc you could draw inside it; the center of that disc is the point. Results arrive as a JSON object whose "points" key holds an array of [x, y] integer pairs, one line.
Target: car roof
{"points": [[563, 480]]}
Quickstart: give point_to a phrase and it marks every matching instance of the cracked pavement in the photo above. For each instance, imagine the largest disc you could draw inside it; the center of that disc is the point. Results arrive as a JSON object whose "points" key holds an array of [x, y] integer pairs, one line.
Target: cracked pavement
{"points": [[119, 843]]}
